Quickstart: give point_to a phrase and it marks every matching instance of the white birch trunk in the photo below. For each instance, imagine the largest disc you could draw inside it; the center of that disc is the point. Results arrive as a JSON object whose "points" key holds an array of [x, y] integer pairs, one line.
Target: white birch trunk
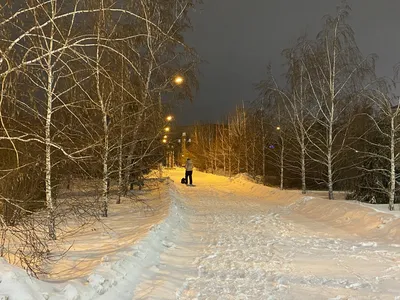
{"points": [[121, 141], [121, 158], [246, 149], [392, 188], [282, 160], [263, 151], [303, 169], [332, 82], [104, 110], [105, 180], [301, 123], [229, 151], [48, 167]]}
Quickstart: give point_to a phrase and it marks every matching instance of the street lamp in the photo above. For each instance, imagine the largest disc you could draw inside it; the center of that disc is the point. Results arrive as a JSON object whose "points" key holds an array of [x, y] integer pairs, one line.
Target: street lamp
{"points": [[178, 80], [169, 118], [164, 141], [278, 128], [167, 129]]}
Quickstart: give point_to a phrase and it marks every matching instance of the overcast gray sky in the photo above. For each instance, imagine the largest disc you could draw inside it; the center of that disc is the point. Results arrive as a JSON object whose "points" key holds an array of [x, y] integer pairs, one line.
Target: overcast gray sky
{"points": [[238, 38]]}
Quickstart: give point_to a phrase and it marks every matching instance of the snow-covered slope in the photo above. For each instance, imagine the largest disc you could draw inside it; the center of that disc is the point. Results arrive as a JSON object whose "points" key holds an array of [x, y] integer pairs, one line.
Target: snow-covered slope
{"points": [[113, 258]]}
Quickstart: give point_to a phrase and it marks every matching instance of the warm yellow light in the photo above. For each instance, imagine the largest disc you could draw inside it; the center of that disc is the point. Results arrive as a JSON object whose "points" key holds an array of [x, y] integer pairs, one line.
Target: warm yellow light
{"points": [[164, 141], [278, 128], [169, 118], [167, 129], [178, 80], [165, 136]]}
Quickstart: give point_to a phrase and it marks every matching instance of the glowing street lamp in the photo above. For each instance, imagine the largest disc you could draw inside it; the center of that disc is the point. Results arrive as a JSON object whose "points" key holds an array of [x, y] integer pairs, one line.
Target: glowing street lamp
{"points": [[165, 137], [169, 118], [164, 141], [278, 128], [167, 129], [178, 80]]}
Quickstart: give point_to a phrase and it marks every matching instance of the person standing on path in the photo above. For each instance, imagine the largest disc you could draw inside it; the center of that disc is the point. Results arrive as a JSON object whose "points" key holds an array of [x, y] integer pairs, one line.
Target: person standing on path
{"points": [[189, 171]]}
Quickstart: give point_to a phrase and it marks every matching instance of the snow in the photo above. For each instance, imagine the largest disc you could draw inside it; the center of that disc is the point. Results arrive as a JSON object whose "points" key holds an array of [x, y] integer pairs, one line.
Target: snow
{"points": [[103, 244], [226, 239], [384, 208]]}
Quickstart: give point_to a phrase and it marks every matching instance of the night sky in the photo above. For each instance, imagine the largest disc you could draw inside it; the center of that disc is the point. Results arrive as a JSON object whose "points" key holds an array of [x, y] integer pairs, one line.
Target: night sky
{"points": [[238, 38]]}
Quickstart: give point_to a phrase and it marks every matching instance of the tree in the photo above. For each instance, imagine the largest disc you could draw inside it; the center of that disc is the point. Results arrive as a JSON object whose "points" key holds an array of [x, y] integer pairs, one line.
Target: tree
{"points": [[336, 74], [385, 116], [59, 71]]}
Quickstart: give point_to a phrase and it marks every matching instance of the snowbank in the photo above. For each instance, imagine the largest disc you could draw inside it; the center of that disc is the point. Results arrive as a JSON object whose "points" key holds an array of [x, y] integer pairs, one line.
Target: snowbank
{"points": [[352, 217], [110, 280], [366, 220]]}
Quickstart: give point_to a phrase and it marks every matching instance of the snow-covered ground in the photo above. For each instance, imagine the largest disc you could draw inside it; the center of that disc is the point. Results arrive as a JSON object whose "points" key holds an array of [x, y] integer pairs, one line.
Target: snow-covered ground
{"points": [[127, 223], [233, 239]]}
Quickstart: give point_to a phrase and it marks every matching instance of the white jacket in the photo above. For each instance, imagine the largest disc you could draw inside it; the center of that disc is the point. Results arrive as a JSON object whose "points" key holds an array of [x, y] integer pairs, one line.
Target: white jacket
{"points": [[189, 165]]}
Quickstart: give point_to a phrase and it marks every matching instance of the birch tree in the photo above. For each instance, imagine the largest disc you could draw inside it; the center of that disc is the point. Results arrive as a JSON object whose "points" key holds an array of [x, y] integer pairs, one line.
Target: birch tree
{"points": [[336, 73], [163, 55], [47, 65], [386, 108], [296, 102]]}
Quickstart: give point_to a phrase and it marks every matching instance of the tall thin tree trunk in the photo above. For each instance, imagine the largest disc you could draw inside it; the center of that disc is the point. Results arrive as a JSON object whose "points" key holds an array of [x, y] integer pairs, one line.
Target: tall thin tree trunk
{"points": [[224, 158], [246, 149], [282, 161], [105, 119], [238, 163], [121, 188], [392, 190], [302, 135], [229, 151], [303, 170], [48, 167], [216, 148], [253, 167], [331, 121], [129, 159], [330, 177], [263, 151], [106, 180], [329, 155]]}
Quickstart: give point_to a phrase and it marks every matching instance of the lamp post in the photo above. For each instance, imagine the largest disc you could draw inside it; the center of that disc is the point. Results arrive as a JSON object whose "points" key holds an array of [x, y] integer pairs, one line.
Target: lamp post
{"points": [[183, 142], [167, 153], [176, 80], [170, 157]]}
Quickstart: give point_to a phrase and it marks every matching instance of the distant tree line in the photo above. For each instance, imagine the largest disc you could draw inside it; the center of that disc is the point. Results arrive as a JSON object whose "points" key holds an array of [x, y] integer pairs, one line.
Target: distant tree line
{"points": [[81, 84], [332, 124]]}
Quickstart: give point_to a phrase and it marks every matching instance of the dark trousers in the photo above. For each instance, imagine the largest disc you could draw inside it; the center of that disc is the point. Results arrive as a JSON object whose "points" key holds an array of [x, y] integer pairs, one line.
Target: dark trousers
{"points": [[189, 174]]}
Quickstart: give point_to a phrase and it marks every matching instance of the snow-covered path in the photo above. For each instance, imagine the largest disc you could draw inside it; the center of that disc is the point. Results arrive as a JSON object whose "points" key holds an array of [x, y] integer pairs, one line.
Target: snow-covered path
{"points": [[229, 239], [248, 242]]}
